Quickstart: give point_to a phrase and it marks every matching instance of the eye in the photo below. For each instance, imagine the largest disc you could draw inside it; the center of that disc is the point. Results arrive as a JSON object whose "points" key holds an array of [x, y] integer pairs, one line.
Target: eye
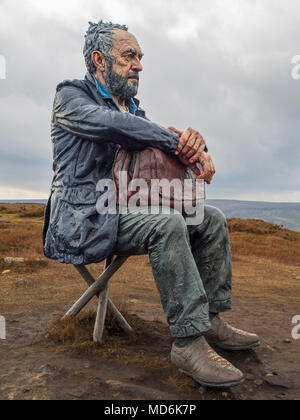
{"points": [[128, 57]]}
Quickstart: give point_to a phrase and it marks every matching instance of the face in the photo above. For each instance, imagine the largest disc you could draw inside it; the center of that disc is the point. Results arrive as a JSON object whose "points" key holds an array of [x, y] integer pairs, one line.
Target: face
{"points": [[122, 75]]}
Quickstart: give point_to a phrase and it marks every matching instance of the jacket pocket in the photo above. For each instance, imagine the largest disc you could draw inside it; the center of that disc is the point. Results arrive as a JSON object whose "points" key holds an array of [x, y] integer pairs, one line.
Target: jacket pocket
{"points": [[81, 196], [73, 226]]}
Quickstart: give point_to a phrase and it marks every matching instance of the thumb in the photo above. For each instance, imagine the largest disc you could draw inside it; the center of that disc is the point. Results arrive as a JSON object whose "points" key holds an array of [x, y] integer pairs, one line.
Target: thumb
{"points": [[175, 130]]}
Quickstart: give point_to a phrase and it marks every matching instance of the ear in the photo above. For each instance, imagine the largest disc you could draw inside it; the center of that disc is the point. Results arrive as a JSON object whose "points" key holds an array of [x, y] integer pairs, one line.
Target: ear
{"points": [[99, 61]]}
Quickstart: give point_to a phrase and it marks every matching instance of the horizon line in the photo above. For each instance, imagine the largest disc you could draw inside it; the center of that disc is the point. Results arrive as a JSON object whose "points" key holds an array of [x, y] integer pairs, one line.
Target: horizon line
{"points": [[3, 201]]}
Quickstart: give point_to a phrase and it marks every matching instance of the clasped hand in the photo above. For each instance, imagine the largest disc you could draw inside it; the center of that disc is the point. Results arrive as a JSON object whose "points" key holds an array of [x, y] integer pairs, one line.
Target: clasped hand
{"points": [[191, 150]]}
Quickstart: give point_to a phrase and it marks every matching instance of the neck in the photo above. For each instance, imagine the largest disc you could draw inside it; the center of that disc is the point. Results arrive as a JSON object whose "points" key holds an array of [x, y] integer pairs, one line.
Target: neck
{"points": [[119, 102]]}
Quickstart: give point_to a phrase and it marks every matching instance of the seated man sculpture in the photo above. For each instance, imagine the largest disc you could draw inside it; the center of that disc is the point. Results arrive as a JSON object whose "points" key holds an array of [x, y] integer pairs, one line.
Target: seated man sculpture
{"points": [[91, 120]]}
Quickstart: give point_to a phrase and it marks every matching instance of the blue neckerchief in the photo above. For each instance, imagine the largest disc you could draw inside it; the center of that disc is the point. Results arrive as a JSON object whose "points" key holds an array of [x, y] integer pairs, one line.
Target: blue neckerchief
{"points": [[104, 93]]}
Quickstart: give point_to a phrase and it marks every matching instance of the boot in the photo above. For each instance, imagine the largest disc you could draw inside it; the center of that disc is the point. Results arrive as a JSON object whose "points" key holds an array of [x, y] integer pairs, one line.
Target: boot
{"points": [[227, 337], [199, 361]]}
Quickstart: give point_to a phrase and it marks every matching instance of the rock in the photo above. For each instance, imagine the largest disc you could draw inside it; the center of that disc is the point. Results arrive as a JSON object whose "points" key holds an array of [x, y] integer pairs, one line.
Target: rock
{"points": [[20, 283], [287, 341], [247, 388], [297, 278], [277, 381], [5, 272], [42, 369], [201, 390], [281, 396], [10, 260], [76, 394], [258, 382], [268, 347], [134, 301]]}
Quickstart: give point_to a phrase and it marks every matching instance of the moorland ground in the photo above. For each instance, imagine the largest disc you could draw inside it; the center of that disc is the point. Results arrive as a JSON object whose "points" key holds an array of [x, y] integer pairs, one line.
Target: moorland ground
{"points": [[45, 358]]}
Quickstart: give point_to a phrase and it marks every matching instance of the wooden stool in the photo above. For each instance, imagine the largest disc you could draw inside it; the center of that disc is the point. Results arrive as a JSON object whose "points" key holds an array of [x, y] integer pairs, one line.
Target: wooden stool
{"points": [[100, 288]]}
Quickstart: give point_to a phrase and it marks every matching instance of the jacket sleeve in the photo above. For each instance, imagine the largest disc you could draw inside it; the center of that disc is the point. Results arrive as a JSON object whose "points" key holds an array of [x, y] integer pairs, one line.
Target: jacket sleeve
{"points": [[76, 113]]}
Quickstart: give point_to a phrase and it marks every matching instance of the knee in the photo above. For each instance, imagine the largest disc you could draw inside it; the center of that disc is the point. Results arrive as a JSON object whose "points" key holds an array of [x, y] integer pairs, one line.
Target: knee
{"points": [[215, 217], [173, 225]]}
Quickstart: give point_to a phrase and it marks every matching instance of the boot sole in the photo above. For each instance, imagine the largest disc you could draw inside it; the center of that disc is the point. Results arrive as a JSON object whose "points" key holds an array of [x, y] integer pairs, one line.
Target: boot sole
{"points": [[241, 348], [211, 385]]}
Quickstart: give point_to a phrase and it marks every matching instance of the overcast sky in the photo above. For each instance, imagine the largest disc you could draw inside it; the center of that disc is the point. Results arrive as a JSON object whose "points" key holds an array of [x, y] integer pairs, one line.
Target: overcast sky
{"points": [[220, 66]]}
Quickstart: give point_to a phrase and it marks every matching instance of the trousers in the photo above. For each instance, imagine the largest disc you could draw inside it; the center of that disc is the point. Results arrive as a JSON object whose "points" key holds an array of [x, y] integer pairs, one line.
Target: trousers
{"points": [[191, 265]]}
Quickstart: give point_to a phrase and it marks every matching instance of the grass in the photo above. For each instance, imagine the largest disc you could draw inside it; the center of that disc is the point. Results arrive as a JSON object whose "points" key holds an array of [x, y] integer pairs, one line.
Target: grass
{"points": [[21, 236], [261, 239], [76, 335], [72, 331], [260, 227], [25, 267], [21, 230], [26, 211]]}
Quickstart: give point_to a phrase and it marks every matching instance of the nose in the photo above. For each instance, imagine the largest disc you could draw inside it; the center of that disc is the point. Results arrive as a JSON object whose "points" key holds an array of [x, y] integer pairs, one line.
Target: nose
{"points": [[137, 65]]}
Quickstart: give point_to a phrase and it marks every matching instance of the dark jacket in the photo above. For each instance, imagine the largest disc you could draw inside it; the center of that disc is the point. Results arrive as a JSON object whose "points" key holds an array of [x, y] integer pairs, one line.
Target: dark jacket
{"points": [[86, 132]]}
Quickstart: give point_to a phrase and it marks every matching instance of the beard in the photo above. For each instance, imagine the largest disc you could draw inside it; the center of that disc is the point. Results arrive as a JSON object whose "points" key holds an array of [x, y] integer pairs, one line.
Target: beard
{"points": [[119, 86]]}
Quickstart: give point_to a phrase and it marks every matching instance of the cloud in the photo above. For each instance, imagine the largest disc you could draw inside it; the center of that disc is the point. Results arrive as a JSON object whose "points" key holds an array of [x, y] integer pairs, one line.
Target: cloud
{"points": [[221, 67]]}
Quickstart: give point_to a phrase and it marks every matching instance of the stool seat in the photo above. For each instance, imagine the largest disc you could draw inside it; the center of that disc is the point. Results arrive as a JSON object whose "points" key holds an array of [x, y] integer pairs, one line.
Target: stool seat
{"points": [[100, 288]]}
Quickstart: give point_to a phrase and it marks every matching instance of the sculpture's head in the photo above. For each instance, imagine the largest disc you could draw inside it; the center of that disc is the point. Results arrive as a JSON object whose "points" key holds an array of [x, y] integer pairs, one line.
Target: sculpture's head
{"points": [[114, 56]]}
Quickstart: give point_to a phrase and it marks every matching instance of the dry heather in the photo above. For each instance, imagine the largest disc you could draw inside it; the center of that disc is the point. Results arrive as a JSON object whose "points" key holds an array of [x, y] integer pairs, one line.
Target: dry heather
{"points": [[262, 239], [76, 335], [21, 236], [21, 230], [25, 211]]}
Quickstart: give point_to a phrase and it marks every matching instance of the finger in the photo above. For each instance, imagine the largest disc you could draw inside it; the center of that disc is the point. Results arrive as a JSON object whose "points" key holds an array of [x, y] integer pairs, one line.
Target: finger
{"points": [[175, 130], [203, 145], [195, 169], [183, 140], [181, 144], [200, 156], [200, 149], [196, 158], [204, 159], [197, 149], [212, 166], [205, 176], [188, 150]]}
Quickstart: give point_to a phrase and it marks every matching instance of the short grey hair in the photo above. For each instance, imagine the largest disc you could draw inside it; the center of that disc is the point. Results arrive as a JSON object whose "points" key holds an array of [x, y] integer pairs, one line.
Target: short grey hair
{"points": [[99, 38]]}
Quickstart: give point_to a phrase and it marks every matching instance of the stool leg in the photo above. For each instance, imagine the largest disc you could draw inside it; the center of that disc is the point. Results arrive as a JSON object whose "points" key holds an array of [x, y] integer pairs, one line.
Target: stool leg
{"points": [[86, 275], [96, 288], [102, 310], [120, 319], [101, 316]]}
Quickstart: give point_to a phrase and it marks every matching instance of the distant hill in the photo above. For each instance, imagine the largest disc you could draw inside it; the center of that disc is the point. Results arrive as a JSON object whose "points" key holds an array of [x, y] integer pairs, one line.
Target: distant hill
{"points": [[23, 201], [285, 214]]}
